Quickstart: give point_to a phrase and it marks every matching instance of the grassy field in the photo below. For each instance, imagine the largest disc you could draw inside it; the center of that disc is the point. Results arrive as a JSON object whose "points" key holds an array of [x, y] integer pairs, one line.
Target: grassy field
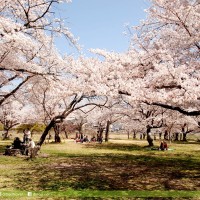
{"points": [[119, 169]]}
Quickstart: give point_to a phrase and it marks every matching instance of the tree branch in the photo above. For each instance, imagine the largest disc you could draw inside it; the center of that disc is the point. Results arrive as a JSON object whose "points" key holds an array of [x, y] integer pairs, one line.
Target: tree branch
{"points": [[176, 108], [14, 90]]}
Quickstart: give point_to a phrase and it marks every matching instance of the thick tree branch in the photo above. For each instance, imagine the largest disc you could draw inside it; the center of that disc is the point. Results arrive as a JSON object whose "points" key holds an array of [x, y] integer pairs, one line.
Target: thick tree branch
{"points": [[25, 71], [8, 80], [124, 93], [176, 108], [14, 90]]}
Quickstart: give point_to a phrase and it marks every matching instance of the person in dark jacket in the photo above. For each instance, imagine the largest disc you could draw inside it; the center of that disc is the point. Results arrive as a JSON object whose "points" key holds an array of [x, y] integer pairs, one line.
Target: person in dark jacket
{"points": [[17, 143]]}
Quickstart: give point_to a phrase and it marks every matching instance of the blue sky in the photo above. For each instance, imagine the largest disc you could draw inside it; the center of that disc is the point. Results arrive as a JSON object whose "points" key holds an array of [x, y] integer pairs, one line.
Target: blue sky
{"points": [[101, 23]]}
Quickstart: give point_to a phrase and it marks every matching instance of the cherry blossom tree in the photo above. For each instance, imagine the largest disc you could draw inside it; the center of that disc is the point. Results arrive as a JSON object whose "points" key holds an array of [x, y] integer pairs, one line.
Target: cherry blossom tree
{"points": [[162, 64], [108, 117], [161, 67], [27, 30], [187, 125], [12, 114], [29, 61], [113, 112], [170, 38], [56, 101]]}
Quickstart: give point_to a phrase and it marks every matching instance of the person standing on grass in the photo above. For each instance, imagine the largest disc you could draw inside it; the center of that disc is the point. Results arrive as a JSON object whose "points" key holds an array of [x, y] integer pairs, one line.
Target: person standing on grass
{"points": [[30, 146], [27, 136], [28, 133], [24, 136]]}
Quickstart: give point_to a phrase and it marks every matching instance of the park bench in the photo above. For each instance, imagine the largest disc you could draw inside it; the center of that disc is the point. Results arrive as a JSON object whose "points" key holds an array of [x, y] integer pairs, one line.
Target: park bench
{"points": [[14, 152]]}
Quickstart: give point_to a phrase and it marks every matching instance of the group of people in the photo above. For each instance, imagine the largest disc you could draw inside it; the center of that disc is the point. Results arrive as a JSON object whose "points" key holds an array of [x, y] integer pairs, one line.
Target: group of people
{"points": [[99, 139], [84, 138], [81, 138], [24, 146]]}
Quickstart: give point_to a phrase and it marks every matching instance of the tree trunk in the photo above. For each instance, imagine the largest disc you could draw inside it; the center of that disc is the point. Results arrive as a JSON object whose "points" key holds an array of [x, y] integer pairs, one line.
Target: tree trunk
{"points": [[170, 138], [166, 135], [81, 135], [181, 136], [160, 135], [154, 136], [176, 136], [56, 128], [134, 134], [149, 138], [100, 131], [57, 138], [66, 134], [100, 134], [5, 136], [185, 137], [107, 131], [46, 131], [128, 133]]}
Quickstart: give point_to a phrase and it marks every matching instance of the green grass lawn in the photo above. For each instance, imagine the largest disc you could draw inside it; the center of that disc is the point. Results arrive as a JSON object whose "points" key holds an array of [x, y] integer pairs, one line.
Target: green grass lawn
{"points": [[120, 169]]}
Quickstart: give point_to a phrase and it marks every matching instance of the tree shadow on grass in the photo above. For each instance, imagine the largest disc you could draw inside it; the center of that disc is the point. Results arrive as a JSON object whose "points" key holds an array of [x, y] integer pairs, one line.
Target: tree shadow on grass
{"points": [[186, 142], [111, 172], [118, 147]]}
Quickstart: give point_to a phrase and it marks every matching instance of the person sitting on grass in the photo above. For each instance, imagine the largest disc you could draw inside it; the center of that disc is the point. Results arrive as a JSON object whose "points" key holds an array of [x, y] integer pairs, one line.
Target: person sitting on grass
{"points": [[163, 146], [93, 139], [17, 144], [85, 139]]}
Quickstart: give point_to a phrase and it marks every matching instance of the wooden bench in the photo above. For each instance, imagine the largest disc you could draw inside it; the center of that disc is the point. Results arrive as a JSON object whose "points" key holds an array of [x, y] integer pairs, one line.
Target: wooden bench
{"points": [[13, 152], [31, 151]]}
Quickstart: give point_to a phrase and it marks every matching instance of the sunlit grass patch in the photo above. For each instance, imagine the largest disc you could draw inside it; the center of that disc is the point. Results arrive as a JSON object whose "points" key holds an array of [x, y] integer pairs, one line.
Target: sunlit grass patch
{"points": [[99, 194], [119, 165]]}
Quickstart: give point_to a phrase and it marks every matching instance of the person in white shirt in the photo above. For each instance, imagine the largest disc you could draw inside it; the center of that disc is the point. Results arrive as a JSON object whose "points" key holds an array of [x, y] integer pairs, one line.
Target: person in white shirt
{"points": [[30, 147], [31, 144], [27, 136]]}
